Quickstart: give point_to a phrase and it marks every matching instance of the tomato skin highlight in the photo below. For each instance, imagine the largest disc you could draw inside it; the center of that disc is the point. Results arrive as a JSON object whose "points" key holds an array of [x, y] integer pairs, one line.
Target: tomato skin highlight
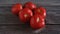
{"points": [[25, 14], [37, 22], [41, 11], [16, 8], [30, 5]]}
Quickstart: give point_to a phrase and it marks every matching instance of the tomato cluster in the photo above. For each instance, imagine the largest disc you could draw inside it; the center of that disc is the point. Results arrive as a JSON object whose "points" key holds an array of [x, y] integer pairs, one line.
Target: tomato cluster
{"points": [[30, 12]]}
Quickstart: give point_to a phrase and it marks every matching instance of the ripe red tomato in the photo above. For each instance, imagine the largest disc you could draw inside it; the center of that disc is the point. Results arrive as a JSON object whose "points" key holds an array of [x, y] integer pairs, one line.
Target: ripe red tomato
{"points": [[16, 8], [41, 11], [30, 5], [25, 14], [37, 22]]}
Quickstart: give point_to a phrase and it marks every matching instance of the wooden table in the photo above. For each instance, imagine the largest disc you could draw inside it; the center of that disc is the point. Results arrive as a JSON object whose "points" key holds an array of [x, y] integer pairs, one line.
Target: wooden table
{"points": [[10, 24]]}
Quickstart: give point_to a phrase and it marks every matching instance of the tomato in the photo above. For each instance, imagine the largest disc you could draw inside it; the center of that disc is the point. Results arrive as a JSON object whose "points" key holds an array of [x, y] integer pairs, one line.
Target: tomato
{"points": [[16, 8], [41, 11], [30, 5], [37, 22], [25, 14]]}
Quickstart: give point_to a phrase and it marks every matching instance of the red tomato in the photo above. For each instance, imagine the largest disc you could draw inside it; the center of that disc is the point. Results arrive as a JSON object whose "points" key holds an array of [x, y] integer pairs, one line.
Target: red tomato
{"points": [[41, 11], [30, 5], [16, 8], [25, 14], [37, 22]]}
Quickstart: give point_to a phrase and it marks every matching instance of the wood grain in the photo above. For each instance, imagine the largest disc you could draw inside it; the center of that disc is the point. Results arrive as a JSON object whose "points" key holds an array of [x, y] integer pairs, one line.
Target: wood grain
{"points": [[49, 29], [10, 24], [6, 17]]}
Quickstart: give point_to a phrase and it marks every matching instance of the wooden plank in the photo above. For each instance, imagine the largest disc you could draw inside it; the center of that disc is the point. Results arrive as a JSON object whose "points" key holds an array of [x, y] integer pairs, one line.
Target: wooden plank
{"points": [[40, 2], [15, 29], [6, 17]]}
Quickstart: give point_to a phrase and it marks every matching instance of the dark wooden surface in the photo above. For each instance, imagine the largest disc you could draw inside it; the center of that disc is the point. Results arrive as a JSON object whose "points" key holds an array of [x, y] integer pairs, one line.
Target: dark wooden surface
{"points": [[10, 24]]}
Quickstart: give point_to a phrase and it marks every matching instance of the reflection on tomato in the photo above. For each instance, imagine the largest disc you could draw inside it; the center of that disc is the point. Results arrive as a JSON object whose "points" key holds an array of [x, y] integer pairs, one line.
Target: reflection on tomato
{"points": [[25, 14], [37, 22], [41, 11]]}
